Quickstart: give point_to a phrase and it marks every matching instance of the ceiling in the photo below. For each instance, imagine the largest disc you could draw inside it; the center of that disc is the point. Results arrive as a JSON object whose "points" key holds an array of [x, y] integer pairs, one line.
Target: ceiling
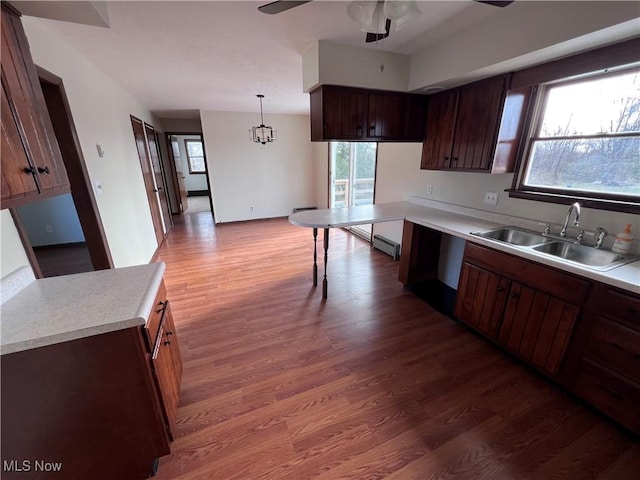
{"points": [[179, 57]]}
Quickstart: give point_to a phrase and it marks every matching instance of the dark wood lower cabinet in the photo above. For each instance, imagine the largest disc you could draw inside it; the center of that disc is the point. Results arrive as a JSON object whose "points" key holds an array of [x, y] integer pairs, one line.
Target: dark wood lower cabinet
{"points": [[99, 407], [482, 297], [583, 334]]}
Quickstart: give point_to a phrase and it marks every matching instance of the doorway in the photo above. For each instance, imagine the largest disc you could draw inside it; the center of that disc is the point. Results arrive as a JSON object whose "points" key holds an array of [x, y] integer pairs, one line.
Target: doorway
{"points": [[68, 234], [190, 173], [352, 178]]}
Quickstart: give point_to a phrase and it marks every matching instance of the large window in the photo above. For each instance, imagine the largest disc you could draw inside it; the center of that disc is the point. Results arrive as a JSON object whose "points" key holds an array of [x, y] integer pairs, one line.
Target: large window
{"points": [[585, 139], [195, 156]]}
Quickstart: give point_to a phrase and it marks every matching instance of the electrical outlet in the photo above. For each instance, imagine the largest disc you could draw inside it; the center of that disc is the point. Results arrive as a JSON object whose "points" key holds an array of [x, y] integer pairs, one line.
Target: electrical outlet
{"points": [[429, 189], [491, 198], [48, 228], [251, 208]]}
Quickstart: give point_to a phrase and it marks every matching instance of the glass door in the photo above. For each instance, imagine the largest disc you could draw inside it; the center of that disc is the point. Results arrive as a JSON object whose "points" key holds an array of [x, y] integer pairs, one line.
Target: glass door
{"points": [[352, 177]]}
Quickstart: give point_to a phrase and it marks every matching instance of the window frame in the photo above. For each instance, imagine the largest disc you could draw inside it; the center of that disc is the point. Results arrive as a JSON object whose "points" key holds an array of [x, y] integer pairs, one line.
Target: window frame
{"points": [[612, 59], [204, 161]]}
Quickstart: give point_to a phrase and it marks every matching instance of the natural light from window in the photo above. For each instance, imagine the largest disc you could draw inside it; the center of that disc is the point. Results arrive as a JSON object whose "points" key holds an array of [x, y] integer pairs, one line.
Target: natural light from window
{"points": [[588, 137]]}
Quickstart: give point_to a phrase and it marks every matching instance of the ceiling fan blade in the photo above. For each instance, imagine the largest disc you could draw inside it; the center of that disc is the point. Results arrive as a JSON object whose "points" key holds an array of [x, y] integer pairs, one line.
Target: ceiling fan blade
{"points": [[496, 3], [374, 37], [280, 6]]}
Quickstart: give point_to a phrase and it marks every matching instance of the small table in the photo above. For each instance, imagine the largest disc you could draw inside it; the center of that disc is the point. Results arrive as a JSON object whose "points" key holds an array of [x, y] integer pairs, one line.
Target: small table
{"points": [[340, 218]]}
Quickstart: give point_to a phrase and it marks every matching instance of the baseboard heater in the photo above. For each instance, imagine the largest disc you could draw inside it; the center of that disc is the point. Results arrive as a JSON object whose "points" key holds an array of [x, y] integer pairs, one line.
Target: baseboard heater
{"points": [[302, 209], [387, 246]]}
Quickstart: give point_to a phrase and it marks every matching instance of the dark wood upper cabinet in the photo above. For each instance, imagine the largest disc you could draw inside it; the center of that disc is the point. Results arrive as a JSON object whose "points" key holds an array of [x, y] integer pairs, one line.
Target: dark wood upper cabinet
{"points": [[475, 127], [356, 114], [32, 166]]}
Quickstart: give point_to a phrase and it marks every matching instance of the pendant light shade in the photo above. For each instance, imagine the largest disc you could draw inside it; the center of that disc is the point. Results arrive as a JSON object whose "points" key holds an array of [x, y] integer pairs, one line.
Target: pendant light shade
{"points": [[262, 133]]}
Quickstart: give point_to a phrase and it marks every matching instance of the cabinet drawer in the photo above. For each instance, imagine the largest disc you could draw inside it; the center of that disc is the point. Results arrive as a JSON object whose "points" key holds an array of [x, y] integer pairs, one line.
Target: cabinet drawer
{"points": [[621, 306], [614, 396], [617, 347], [543, 278], [153, 324]]}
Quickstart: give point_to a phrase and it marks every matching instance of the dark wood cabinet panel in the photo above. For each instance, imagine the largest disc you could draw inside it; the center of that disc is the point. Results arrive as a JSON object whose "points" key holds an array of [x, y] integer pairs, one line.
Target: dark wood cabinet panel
{"points": [[438, 142], [537, 327], [357, 114], [483, 297], [603, 364], [523, 306], [344, 114], [167, 368], [27, 113], [475, 127], [89, 403]]}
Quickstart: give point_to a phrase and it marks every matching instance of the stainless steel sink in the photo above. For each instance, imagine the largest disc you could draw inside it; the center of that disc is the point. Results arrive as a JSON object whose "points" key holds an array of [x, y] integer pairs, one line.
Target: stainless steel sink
{"points": [[583, 255], [514, 236]]}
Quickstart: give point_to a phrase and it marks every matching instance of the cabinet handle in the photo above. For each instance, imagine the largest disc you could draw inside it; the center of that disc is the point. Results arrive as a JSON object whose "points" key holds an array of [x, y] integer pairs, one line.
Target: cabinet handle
{"points": [[30, 170], [162, 306], [169, 332], [167, 342], [454, 159], [446, 158], [611, 391], [514, 295], [372, 128], [358, 130], [500, 289], [44, 170]]}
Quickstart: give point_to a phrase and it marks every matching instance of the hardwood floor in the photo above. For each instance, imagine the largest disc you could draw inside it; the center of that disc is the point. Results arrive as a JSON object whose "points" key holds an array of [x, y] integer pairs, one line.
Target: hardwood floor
{"points": [[370, 384], [55, 260]]}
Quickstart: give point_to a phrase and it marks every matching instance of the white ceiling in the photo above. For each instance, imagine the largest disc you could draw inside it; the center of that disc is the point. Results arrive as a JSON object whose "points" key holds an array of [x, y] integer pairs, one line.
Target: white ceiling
{"points": [[179, 57]]}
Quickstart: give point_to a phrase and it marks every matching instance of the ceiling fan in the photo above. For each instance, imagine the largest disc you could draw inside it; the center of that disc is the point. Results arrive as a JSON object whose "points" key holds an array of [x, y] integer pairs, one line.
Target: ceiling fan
{"points": [[374, 16]]}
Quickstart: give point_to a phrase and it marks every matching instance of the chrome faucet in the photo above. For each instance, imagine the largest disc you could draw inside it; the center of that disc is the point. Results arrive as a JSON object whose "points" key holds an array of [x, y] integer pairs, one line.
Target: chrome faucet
{"points": [[576, 207], [600, 234]]}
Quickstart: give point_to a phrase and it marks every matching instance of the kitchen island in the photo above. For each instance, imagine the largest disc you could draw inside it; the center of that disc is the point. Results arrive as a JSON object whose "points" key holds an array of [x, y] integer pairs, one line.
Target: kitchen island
{"points": [[90, 375]]}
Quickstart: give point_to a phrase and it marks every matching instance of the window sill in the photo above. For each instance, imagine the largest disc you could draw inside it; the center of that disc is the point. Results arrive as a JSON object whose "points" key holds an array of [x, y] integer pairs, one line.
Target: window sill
{"points": [[626, 206]]}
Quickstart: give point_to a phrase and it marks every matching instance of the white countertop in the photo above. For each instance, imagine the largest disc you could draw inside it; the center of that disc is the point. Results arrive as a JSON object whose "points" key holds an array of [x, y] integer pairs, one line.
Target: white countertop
{"points": [[59, 309], [448, 219]]}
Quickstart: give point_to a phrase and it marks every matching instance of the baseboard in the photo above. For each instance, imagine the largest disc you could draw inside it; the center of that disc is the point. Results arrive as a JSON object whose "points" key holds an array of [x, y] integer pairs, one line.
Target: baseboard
{"points": [[438, 295], [58, 246], [198, 193]]}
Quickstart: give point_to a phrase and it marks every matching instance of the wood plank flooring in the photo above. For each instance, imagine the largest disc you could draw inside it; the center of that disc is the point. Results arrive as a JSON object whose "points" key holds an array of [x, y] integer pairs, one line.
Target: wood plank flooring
{"points": [[370, 384]]}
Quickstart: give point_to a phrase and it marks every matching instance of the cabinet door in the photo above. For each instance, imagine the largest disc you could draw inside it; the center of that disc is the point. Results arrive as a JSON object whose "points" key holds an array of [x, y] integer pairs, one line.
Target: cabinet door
{"points": [[481, 299], [438, 138], [476, 125], [344, 114], [537, 327], [25, 98], [167, 367], [386, 115], [17, 176]]}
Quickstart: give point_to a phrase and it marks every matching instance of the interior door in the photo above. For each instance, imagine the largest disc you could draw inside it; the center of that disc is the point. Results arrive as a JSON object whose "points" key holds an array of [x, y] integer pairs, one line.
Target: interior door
{"points": [[158, 173], [177, 160], [148, 177]]}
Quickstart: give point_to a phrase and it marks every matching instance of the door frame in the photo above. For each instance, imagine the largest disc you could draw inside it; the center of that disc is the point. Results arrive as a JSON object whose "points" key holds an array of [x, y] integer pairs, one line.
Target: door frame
{"points": [[82, 193], [172, 163]]}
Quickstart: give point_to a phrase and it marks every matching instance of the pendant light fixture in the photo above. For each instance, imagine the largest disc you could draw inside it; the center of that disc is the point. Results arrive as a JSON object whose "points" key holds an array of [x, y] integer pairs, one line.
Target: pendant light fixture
{"points": [[263, 133]]}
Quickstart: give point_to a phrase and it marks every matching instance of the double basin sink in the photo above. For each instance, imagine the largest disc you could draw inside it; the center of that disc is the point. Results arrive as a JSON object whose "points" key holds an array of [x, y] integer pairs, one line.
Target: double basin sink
{"points": [[582, 255]]}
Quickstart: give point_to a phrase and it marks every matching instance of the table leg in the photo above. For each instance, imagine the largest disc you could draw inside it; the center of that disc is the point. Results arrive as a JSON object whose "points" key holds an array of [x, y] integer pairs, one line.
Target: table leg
{"points": [[315, 257], [326, 248]]}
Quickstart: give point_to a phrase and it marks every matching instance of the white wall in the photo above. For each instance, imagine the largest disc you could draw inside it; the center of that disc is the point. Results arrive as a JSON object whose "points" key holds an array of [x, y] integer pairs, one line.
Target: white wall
{"points": [[59, 213], [101, 110], [273, 178], [330, 63], [12, 255]]}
